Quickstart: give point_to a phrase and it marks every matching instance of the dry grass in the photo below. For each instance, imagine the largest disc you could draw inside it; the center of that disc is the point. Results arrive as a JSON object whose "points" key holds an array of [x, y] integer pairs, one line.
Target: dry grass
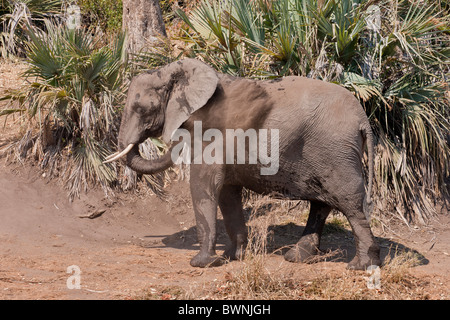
{"points": [[263, 275], [254, 280], [257, 278], [396, 282]]}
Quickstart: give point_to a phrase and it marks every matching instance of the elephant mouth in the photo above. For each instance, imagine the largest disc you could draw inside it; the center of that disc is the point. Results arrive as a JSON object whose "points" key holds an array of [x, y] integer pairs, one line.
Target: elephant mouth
{"points": [[118, 154]]}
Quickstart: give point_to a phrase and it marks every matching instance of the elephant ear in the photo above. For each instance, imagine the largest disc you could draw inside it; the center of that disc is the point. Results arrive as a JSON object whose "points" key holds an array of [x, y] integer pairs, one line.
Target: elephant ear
{"points": [[194, 83]]}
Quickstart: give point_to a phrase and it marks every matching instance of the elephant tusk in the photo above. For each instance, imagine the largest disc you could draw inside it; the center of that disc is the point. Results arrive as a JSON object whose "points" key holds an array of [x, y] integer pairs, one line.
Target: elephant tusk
{"points": [[112, 155], [117, 155]]}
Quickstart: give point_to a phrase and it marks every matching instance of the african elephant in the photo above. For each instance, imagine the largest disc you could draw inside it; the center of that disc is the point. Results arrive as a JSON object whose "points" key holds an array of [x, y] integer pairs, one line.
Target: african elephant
{"points": [[322, 130]]}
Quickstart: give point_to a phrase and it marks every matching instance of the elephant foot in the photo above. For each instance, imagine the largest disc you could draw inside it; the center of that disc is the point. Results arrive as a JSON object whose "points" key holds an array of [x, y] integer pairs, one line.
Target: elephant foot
{"points": [[363, 263], [304, 250], [234, 253], [206, 261]]}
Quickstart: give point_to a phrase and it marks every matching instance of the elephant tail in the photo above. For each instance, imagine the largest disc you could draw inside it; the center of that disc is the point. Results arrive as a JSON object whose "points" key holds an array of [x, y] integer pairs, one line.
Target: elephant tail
{"points": [[368, 137]]}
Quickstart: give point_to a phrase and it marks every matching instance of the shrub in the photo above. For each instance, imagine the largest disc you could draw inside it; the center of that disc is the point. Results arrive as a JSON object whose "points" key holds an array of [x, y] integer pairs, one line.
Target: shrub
{"points": [[13, 17], [72, 104], [106, 13]]}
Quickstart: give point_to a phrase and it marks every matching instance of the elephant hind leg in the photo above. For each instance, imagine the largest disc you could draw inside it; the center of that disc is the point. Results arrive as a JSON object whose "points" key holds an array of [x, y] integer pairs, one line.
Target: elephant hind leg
{"points": [[309, 243], [230, 204], [367, 250]]}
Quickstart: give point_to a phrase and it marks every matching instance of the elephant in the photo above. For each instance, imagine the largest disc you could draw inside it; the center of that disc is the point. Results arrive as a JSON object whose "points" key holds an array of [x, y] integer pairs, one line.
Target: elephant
{"points": [[322, 135]]}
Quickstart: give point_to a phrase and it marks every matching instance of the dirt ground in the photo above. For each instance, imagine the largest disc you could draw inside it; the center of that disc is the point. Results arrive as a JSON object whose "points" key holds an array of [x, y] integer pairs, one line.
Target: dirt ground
{"points": [[140, 246]]}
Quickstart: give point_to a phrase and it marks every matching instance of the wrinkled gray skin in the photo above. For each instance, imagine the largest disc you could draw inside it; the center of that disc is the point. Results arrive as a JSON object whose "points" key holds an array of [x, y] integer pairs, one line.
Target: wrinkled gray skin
{"points": [[322, 133]]}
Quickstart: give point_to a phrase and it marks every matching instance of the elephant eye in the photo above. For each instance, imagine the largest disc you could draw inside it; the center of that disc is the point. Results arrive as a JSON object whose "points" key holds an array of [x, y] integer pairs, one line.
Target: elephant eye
{"points": [[138, 109]]}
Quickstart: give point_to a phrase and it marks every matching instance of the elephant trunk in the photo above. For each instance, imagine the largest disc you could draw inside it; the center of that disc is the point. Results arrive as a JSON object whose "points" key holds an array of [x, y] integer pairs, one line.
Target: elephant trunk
{"points": [[144, 166]]}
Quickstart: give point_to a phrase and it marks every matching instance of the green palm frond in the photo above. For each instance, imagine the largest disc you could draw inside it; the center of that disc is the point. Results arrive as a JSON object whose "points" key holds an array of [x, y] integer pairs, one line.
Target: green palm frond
{"points": [[365, 89], [249, 22], [419, 36]]}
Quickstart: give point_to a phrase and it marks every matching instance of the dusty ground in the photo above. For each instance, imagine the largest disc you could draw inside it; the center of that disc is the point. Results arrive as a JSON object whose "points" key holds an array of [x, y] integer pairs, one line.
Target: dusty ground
{"points": [[140, 246]]}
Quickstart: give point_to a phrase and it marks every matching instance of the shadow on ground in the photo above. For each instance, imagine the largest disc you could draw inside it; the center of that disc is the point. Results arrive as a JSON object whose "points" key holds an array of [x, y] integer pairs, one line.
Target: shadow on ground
{"points": [[337, 244]]}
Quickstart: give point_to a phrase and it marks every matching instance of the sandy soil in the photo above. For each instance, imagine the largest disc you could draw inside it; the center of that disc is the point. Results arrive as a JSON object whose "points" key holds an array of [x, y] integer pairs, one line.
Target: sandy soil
{"points": [[140, 246]]}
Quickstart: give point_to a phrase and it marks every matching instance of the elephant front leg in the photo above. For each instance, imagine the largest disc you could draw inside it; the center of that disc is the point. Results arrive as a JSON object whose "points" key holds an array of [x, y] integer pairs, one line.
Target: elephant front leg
{"points": [[205, 186], [205, 215]]}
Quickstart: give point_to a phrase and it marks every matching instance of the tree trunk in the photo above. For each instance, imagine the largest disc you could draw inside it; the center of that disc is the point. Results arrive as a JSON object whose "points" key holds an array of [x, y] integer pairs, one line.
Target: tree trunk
{"points": [[142, 20]]}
